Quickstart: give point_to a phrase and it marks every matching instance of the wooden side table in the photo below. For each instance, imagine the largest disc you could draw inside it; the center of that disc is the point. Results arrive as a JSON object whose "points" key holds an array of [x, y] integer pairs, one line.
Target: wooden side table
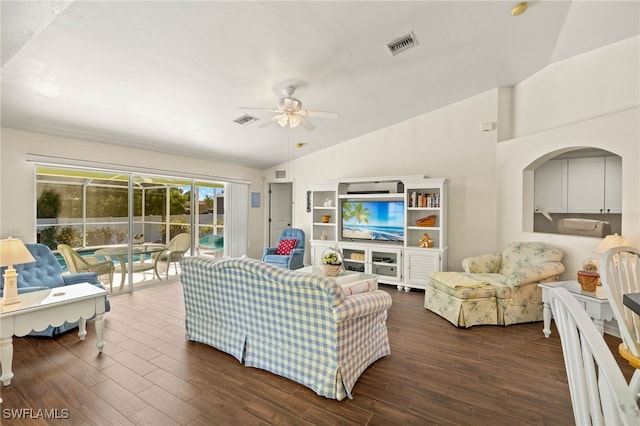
{"points": [[594, 302]]}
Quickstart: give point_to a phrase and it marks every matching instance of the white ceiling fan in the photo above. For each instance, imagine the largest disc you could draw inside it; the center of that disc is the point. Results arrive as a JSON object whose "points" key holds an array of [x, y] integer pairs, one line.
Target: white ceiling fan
{"points": [[290, 112]]}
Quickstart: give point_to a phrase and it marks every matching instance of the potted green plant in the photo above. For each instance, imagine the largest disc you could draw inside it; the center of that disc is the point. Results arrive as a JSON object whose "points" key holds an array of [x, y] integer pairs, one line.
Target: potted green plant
{"points": [[331, 262]]}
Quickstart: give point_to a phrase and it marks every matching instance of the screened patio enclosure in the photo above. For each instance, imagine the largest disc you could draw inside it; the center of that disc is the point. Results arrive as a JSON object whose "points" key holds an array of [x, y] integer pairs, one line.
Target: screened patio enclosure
{"points": [[91, 210]]}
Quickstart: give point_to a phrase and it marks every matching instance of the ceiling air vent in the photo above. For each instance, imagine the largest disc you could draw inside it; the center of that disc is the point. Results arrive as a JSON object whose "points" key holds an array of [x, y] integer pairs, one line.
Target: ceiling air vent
{"points": [[403, 43], [245, 120]]}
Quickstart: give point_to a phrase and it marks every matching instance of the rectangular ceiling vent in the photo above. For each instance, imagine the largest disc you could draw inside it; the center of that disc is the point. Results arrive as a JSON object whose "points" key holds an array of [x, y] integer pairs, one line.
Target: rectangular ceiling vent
{"points": [[245, 120], [403, 43]]}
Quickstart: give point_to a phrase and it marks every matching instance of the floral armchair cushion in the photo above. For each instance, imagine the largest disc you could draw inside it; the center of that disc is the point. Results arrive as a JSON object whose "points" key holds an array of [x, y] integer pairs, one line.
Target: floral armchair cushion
{"points": [[483, 264], [521, 263], [522, 255]]}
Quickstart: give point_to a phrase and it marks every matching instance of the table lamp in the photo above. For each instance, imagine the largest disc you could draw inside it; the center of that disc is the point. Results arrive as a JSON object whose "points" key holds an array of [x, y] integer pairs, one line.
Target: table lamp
{"points": [[12, 252], [611, 241]]}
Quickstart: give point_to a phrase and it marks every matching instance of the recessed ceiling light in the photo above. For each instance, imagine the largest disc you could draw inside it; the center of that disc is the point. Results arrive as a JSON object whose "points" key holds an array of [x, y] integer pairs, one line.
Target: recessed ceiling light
{"points": [[519, 8]]}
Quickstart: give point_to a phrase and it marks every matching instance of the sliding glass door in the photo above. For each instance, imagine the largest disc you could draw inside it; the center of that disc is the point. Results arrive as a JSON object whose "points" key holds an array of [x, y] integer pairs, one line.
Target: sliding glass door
{"points": [[128, 218]]}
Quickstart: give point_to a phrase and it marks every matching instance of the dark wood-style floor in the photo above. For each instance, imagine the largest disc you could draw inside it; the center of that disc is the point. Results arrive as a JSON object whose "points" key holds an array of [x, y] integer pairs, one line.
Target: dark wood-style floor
{"points": [[149, 374]]}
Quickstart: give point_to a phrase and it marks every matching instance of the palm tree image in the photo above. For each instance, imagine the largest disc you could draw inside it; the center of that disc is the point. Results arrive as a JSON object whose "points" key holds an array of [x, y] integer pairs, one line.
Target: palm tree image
{"points": [[356, 211]]}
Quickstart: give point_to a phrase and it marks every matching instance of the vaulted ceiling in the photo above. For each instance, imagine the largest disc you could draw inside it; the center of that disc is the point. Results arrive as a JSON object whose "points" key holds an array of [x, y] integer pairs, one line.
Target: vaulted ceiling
{"points": [[171, 76]]}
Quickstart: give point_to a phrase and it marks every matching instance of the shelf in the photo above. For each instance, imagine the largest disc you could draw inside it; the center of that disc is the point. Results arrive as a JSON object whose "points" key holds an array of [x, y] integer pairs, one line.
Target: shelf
{"points": [[384, 264], [324, 208], [323, 224], [425, 228]]}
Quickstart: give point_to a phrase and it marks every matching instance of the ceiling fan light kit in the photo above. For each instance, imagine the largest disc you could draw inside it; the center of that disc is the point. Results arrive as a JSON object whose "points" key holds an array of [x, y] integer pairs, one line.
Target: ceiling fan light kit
{"points": [[290, 112]]}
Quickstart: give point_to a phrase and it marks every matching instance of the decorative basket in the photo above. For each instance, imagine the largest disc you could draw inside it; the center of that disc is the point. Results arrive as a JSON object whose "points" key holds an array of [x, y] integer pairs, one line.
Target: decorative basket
{"points": [[588, 280], [427, 221], [332, 269]]}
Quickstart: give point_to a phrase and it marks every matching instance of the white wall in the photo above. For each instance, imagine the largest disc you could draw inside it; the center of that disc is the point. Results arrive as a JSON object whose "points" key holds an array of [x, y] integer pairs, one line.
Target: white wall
{"points": [[17, 176], [600, 82], [587, 101]]}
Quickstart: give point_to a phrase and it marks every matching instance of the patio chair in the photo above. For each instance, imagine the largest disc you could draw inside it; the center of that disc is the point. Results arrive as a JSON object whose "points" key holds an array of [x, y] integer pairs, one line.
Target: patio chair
{"points": [[174, 253], [599, 392], [76, 263]]}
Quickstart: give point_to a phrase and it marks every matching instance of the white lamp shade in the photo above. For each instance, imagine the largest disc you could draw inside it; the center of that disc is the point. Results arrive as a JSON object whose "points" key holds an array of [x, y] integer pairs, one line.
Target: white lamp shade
{"points": [[14, 252], [611, 241]]}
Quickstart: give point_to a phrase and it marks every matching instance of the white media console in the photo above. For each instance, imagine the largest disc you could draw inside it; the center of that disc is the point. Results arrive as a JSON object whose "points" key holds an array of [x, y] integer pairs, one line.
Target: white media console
{"points": [[406, 263]]}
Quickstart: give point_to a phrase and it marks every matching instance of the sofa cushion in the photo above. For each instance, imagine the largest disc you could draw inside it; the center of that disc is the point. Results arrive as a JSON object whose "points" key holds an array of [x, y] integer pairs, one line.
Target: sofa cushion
{"points": [[461, 285], [285, 247]]}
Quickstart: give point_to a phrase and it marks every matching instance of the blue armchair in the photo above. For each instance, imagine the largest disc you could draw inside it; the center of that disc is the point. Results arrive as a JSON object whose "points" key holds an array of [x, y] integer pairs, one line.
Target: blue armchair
{"points": [[295, 259], [46, 273]]}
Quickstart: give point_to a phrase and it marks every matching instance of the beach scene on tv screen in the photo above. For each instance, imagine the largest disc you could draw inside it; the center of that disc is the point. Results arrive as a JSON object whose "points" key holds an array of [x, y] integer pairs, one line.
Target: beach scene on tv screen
{"points": [[373, 220]]}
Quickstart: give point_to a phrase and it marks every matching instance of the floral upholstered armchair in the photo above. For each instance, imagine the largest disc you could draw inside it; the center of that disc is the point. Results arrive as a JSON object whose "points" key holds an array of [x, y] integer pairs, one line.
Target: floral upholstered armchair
{"points": [[500, 289]]}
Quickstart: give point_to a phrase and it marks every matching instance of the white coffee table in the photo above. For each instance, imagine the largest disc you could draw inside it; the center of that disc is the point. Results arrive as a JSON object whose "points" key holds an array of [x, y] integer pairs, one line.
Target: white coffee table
{"points": [[594, 302], [40, 309]]}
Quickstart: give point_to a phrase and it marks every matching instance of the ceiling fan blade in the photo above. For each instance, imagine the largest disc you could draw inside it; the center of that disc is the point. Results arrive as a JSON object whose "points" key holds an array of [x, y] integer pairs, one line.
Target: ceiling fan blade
{"points": [[306, 124], [260, 109], [322, 114]]}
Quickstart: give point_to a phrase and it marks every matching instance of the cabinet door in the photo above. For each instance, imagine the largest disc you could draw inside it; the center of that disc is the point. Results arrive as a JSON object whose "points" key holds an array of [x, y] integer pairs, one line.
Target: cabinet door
{"points": [[585, 185], [550, 186], [418, 264], [613, 185], [386, 263]]}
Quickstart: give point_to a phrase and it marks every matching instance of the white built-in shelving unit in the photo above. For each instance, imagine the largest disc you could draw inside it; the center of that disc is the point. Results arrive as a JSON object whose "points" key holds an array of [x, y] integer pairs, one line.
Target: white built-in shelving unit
{"points": [[404, 264]]}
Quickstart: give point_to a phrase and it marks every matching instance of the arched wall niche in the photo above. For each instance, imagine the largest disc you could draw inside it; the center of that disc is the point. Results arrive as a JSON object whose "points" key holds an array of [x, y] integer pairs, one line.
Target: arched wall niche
{"points": [[574, 191]]}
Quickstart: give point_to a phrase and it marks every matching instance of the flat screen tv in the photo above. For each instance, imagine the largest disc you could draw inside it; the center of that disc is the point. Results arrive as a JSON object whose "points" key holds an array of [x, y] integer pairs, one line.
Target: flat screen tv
{"points": [[373, 220]]}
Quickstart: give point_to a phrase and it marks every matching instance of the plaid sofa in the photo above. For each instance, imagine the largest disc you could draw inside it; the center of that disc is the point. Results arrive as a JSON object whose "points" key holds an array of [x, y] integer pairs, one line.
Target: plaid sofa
{"points": [[297, 325]]}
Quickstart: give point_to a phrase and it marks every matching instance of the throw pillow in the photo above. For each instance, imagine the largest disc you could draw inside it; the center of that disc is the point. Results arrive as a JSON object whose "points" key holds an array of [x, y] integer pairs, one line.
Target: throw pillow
{"points": [[356, 287], [285, 247]]}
